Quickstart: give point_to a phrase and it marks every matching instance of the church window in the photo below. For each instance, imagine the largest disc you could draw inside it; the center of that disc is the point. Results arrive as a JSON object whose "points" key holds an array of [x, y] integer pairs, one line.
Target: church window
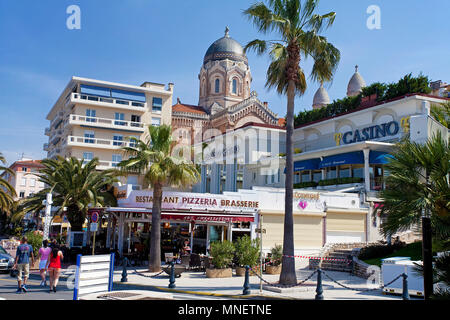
{"points": [[217, 85], [234, 86]]}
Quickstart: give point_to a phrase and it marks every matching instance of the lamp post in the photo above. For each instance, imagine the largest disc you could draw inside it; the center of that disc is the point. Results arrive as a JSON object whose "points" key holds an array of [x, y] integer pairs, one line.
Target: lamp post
{"points": [[48, 211]]}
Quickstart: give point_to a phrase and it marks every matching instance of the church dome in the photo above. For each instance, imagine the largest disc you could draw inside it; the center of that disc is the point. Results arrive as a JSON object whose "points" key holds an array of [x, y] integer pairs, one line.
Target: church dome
{"points": [[321, 98], [225, 48], [356, 84]]}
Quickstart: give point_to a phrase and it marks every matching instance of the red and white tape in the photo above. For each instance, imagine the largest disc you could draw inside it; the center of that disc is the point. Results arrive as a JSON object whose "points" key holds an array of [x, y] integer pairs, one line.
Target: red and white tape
{"points": [[319, 258]]}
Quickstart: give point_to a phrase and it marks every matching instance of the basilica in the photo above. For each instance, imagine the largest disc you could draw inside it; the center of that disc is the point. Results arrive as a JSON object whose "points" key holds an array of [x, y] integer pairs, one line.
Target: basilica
{"points": [[226, 101]]}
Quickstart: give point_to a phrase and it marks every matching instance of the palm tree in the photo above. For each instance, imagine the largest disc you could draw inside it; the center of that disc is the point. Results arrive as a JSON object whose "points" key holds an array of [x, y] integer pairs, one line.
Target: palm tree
{"points": [[418, 183], [7, 192], [160, 169], [441, 113], [75, 186], [298, 27]]}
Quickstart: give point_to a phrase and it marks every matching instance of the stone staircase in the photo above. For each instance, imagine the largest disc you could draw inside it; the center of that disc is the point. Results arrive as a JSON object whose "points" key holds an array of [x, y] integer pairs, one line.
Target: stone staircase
{"points": [[338, 251]]}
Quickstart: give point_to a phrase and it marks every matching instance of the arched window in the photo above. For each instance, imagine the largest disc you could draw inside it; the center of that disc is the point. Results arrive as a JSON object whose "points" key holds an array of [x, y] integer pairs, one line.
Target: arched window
{"points": [[217, 86], [234, 86]]}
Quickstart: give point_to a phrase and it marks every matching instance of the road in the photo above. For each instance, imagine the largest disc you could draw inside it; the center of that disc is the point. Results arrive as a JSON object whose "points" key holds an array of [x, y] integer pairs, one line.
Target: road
{"points": [[8, 287]]}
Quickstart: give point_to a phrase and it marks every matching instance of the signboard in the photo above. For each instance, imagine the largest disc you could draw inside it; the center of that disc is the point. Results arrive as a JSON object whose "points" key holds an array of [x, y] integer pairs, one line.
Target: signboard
{"points": [[94, 217], [192, 201], [93, 274], [77, 239], [94, 227]]}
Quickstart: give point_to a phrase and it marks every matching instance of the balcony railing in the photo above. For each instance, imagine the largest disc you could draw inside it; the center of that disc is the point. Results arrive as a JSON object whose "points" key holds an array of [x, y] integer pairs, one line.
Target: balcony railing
{"points": [[107, 123], [113, 102], [98, 143], [47, 131], [45, 146]]}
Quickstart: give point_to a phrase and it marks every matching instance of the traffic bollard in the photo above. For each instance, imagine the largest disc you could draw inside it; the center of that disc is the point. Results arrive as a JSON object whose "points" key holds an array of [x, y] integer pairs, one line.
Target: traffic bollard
{"points": [[247, 281], [405, 293], [319, 289], [124, 270], [172, 275]]}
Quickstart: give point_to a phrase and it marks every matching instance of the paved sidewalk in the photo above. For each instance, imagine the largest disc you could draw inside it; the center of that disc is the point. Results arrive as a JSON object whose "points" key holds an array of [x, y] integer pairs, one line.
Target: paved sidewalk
{"points": [[197, 283]]}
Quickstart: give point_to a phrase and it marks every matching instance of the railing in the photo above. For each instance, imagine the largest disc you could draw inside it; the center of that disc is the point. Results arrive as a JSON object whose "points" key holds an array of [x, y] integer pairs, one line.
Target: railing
{"points": [[106, 122], [121, 102], [98, 143], [45, 146], [47, 131]]}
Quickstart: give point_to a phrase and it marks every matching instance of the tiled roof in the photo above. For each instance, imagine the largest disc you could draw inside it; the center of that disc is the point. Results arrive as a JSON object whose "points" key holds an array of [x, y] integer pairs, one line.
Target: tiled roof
{"points": [[180, 107], [27, 163]]}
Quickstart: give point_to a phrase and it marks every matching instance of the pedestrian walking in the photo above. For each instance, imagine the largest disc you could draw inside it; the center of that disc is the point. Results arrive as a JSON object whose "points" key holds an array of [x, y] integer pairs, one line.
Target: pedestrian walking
{"points": [[22, 263], [54, 267], [44, 253]]}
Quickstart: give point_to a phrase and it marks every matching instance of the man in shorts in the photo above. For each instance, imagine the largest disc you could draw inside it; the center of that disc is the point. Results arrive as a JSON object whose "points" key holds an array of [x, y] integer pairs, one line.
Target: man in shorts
{"points": [[22, 263]]}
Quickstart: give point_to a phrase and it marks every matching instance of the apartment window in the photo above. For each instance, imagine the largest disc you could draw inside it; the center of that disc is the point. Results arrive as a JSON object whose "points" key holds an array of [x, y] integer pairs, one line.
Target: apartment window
{"points": [[24, 169], [118, 138], [116, 158], [87, 156], [23, 182], [32, 182], [156, 122], [135, 120], [89, 137], [157, 105], [217, 86], [133, 142], [234, 86], [90, 115], [41, 185], [118, 117], [22, 194]]}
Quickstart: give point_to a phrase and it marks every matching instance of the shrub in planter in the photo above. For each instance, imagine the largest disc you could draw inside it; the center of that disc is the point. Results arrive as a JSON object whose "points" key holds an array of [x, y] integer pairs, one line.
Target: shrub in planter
{"points": [[247, 253], [222, 255], [301, 185], [274, 266]]}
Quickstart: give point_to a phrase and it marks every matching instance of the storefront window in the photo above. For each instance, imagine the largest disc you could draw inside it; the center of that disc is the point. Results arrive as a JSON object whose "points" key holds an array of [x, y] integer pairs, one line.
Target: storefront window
{"points": [[306, 176], [331, 173], [215, 233], [199, 244], [317, 176], [358, 172], [344, 172], [297, 178]]}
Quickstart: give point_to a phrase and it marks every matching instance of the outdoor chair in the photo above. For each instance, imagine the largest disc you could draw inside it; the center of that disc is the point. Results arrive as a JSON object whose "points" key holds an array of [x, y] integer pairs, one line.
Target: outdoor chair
{"points": [[195, 262], [185, 259]]}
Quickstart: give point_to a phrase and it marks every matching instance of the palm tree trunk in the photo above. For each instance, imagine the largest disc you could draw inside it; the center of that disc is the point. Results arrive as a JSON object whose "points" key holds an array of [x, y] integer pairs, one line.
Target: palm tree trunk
{"points": [[155, 241], [287, 275]]}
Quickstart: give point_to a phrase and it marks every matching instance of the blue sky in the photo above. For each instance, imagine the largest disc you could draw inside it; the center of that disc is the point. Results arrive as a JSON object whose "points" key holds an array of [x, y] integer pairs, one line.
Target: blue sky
{"points": [[165, 41]]}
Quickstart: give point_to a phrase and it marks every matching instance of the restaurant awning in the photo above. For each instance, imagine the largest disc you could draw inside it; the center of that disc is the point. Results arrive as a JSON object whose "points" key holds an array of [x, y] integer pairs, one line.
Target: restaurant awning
{"points": [[378, 157], [343, 159], [191, 216], [310, 164]]}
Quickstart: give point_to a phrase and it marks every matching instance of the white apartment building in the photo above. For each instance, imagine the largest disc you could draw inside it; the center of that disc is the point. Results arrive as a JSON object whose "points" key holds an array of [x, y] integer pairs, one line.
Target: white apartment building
{"points": [[94, 119]]}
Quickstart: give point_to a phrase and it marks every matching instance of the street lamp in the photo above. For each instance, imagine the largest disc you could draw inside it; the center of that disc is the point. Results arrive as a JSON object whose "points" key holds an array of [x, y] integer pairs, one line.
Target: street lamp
{"points": [[48, 210]]}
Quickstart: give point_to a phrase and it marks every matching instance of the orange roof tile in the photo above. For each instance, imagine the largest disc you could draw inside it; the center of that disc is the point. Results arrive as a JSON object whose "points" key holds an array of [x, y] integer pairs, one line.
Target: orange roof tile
{"points": [[179, 107]]}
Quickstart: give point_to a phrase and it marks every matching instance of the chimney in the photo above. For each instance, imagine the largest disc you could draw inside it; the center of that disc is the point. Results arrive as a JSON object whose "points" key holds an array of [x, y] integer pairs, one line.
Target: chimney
{"points": [[178, 101], [265, 104], [170, 86]]}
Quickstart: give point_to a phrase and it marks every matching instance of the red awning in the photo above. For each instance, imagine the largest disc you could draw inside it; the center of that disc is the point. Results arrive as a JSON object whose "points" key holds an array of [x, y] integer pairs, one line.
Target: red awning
{"points": [[191, 216]]}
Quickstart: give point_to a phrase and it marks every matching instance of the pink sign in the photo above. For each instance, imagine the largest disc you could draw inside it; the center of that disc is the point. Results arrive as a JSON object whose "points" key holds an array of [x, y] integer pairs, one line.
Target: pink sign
{"points": [[303, 204]]}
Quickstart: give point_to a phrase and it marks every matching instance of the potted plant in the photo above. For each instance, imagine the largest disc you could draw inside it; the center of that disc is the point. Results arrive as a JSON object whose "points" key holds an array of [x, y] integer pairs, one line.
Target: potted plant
{"points": [[274, 267], [247, 254], [222, 254]]}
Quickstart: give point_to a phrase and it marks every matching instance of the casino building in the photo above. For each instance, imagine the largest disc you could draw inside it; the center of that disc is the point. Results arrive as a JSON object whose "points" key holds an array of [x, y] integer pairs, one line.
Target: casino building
{"points": [[342, 156]]}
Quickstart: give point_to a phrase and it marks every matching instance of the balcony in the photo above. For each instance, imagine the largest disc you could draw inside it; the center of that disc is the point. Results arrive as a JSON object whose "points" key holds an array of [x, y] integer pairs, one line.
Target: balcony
{"points": [[108, 102], [105, 123], [96, 143], [47, 131], [46, 148]]}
